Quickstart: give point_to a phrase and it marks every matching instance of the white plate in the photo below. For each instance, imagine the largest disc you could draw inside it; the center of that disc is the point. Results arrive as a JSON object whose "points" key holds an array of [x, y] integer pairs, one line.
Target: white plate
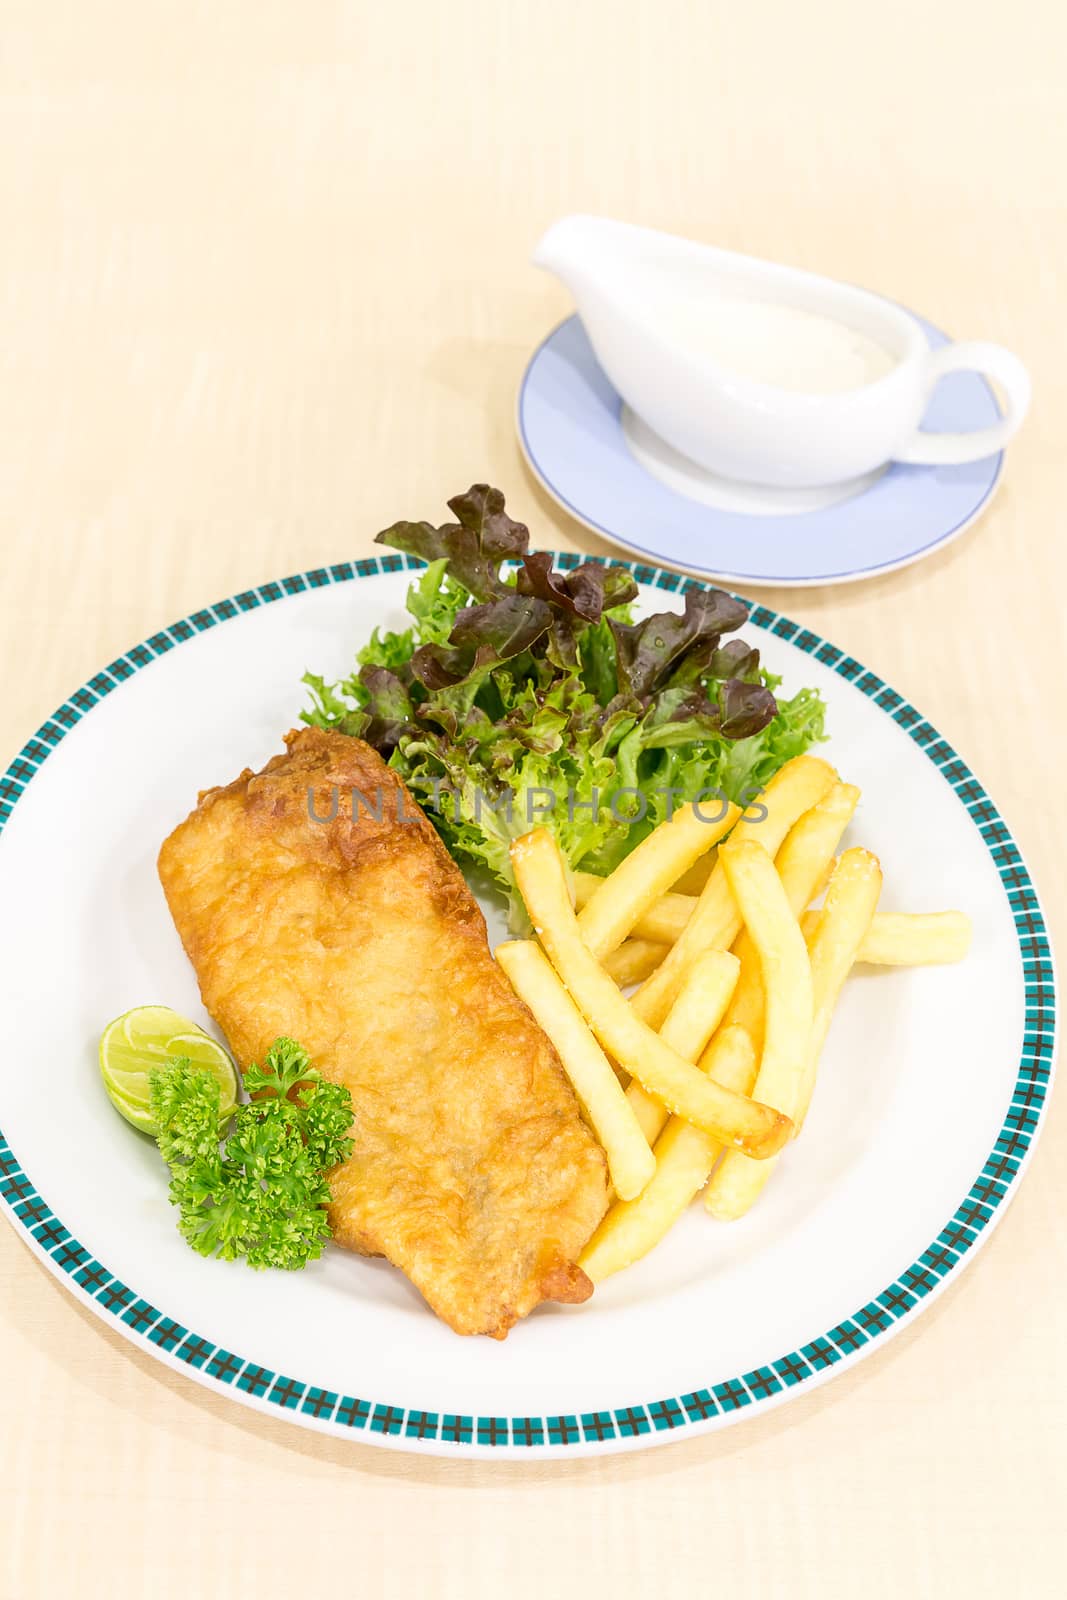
{"points": [[938, 1077]]}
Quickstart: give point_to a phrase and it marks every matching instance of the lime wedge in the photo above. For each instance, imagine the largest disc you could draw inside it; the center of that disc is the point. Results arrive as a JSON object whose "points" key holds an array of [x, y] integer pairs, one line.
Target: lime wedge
{"points": [[140, 1116], [146, 1038]]}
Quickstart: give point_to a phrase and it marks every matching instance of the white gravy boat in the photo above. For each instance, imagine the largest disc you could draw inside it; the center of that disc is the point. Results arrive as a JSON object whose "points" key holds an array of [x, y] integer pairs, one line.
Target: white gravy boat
{"points": [[764, 374]]}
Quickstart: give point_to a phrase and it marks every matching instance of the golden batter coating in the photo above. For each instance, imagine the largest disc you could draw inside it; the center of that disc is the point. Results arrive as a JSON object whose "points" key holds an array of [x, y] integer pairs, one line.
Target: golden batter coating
{"points": [[472, 1169]]}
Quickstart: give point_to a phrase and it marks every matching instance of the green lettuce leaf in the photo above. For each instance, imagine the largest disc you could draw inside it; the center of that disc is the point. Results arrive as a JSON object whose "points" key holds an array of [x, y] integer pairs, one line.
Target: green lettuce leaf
{"points": [[524, 696]]}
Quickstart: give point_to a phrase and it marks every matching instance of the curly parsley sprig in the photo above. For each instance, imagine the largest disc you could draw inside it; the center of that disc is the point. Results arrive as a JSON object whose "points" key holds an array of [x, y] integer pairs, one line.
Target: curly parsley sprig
{"points": [[261, 1193]]}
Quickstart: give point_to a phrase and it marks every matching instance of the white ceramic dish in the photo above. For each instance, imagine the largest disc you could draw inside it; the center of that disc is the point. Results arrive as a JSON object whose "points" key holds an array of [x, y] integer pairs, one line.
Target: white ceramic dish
{"points": [[629, 284], [608, 470], [720, 1322]]}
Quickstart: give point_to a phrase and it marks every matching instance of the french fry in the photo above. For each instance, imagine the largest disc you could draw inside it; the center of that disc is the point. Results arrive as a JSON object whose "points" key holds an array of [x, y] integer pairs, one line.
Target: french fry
{"points": [[788, 1004], [662, 922], [715, 922], [894, 939], [908, 938], [690, 1023], [846, 916], [735, 1120], [850, 901], [897, 939], [666, 919], [630, 1159], [804, 860], [648, 872], [633, 961], [807, 854], [684, 1158], [693, 881], [824, 880]]}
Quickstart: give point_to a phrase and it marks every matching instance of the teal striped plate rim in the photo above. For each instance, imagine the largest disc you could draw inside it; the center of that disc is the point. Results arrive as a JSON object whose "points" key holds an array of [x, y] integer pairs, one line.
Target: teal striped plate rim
{"points": [[374, 1419]]}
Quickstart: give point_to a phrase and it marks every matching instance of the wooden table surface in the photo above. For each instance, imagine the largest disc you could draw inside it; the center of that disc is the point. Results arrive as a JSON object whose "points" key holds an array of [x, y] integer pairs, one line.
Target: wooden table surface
{"points": [[264, 286]]}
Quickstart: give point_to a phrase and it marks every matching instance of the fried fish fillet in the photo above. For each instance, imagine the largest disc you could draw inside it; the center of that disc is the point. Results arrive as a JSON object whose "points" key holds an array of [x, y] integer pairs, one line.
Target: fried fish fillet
{"points": [[472, 1169]]}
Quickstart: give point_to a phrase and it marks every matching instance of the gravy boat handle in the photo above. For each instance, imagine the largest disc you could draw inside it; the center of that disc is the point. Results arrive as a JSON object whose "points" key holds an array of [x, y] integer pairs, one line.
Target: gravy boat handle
{"points": [[954, 449]]}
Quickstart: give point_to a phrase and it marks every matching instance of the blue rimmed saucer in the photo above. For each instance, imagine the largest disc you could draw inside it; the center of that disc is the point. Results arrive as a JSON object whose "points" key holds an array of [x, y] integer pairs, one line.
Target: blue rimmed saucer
{"points": [[573, 428]]}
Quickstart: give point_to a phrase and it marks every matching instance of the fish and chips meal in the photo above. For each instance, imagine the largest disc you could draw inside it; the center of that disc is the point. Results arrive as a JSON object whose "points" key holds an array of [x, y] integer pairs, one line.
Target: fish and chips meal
{"points": [[511, 1127]]}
